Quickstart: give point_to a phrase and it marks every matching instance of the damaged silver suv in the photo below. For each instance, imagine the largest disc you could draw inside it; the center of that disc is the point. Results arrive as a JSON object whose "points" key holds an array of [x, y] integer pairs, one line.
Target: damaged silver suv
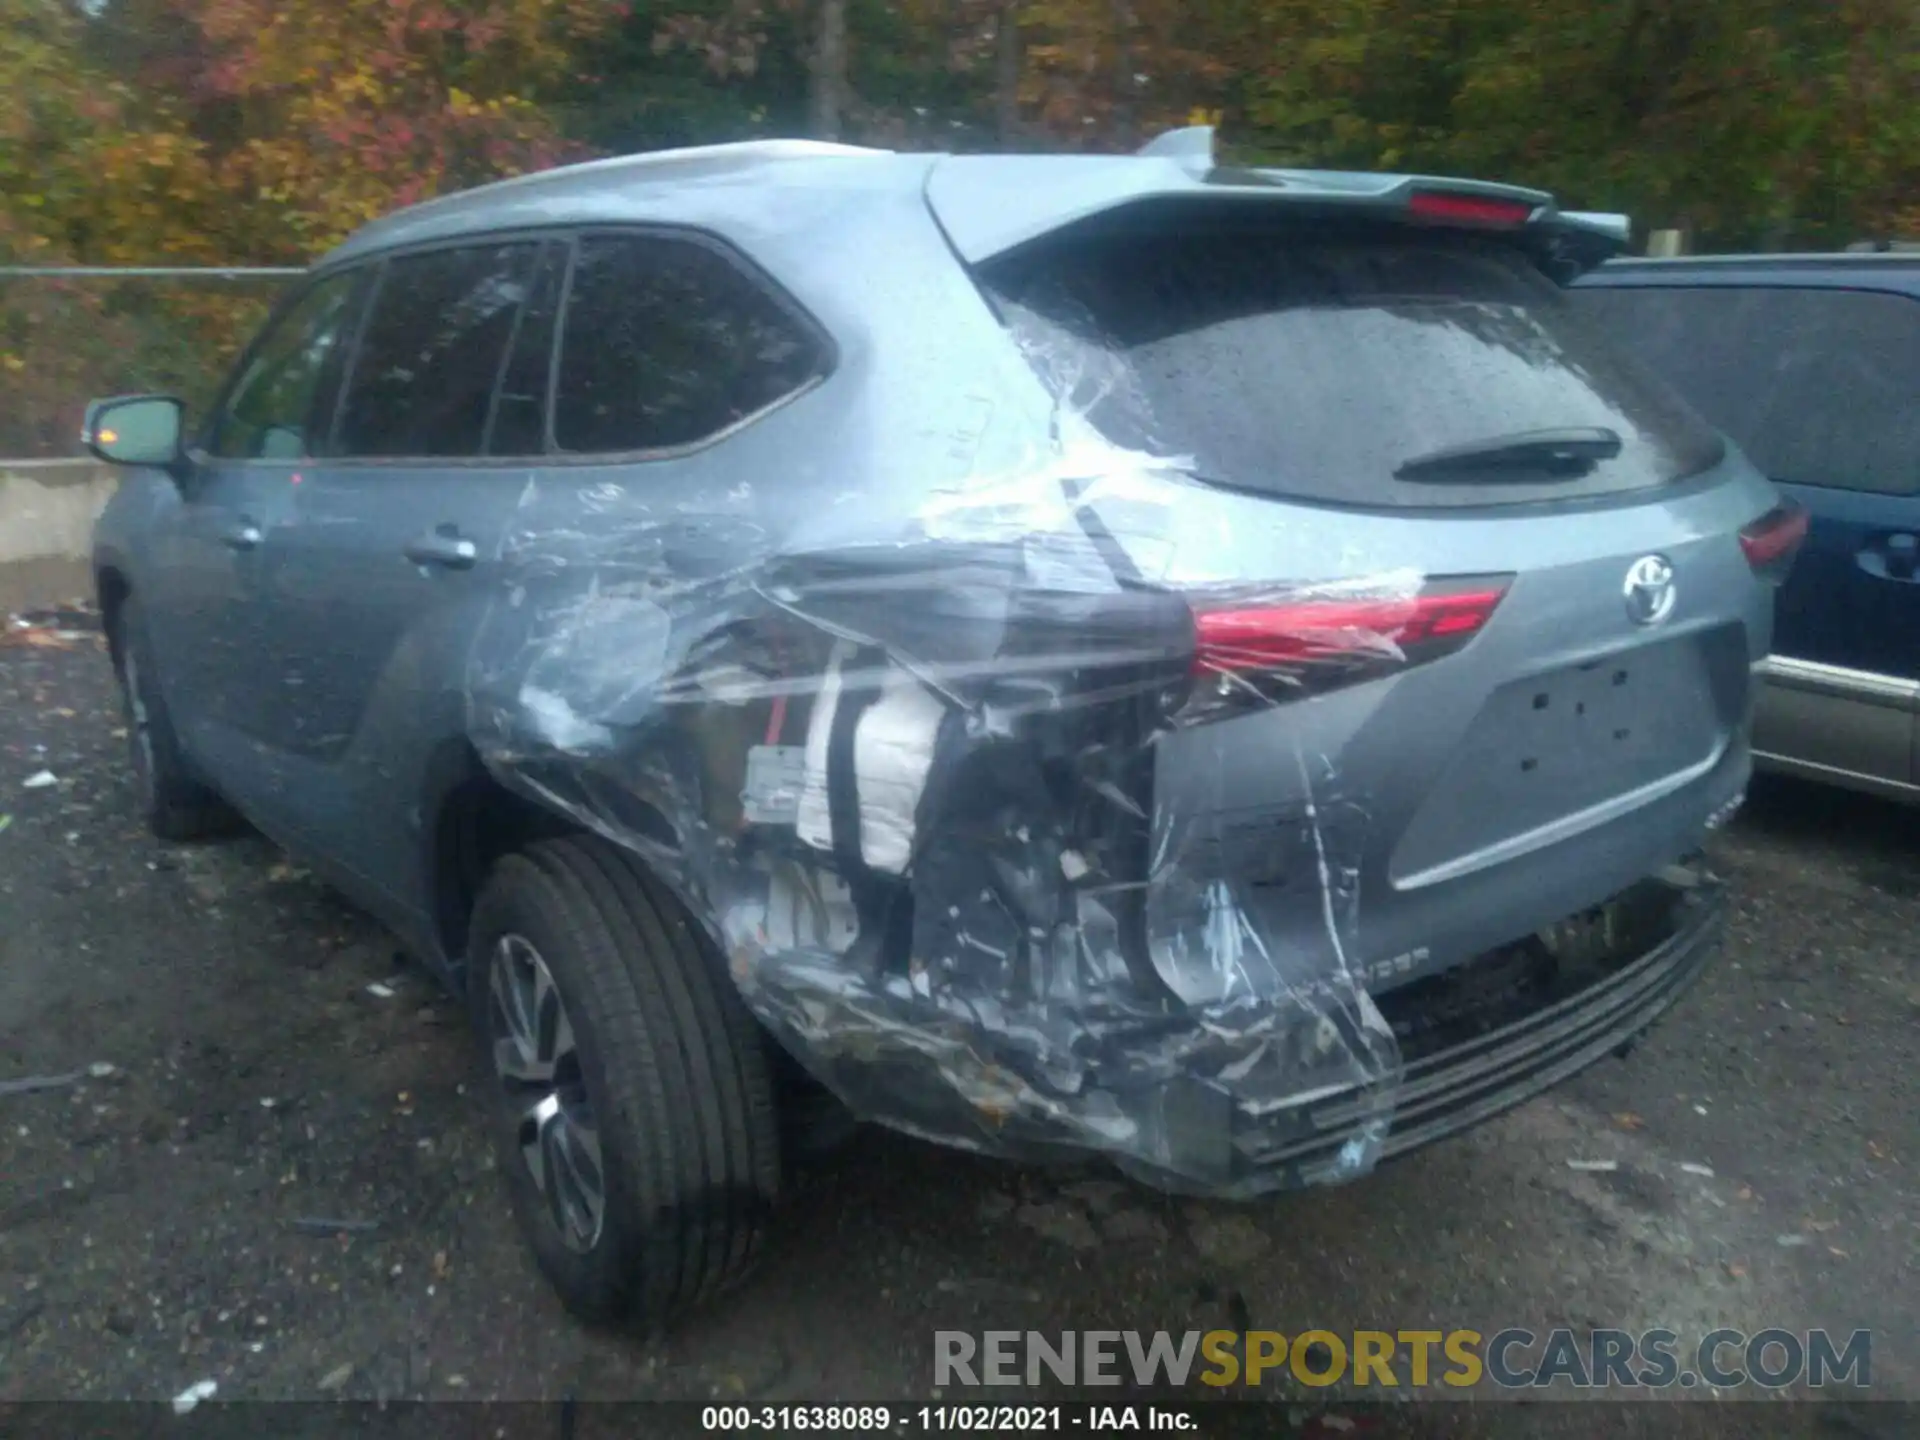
{"points": [[1216, 669]]}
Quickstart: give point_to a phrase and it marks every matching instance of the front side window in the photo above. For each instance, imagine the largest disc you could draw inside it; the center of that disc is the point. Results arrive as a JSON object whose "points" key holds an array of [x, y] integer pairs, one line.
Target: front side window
{"points": [[422, 383], [1818, 386], [281, 404], [667, 342]]}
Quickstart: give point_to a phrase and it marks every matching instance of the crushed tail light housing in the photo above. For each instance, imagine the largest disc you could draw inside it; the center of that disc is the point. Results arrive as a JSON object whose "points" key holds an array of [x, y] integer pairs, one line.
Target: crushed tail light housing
{"points": [[1263, 652], [1772, 541]]}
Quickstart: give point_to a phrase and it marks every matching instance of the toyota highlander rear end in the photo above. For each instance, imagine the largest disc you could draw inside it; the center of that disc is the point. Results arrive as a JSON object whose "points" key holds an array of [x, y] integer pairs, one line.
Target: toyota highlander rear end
{"points": [[1475, 605]]}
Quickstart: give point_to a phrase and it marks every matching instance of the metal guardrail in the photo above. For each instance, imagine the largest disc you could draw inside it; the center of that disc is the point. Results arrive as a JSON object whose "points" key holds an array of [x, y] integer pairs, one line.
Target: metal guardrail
{"points": [[145, 272]]}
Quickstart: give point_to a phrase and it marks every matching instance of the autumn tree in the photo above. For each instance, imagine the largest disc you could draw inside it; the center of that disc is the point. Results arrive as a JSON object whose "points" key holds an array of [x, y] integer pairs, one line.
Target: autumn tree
{"points": [[314, 116], [1748, 123]]}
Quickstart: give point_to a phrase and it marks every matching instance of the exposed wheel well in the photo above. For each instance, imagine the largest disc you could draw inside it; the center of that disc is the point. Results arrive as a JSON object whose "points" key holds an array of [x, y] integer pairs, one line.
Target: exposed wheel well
{"points": [[479, 821]]}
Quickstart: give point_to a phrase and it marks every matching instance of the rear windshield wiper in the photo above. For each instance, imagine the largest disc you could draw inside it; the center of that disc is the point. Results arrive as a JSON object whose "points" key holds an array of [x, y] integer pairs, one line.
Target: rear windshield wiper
{"points": [[1567, 453]]}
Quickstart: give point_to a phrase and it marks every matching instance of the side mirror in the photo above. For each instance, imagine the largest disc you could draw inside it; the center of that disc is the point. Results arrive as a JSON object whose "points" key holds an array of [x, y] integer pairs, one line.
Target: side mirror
{"points": [[136, 430]]}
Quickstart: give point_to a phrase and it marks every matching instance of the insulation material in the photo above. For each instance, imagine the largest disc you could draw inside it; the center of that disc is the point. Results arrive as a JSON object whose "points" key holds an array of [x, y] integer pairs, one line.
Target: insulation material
{"points": [[912, 783], [892, 752]]}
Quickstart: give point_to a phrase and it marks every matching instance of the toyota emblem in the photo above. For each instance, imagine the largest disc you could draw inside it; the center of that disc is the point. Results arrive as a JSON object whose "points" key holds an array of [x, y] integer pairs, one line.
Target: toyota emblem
{"points": [[1649, 590]]}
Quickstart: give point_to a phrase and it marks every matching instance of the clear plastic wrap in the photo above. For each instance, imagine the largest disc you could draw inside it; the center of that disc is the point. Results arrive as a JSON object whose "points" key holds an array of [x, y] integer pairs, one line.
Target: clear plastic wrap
{"points": [[908, 785]]}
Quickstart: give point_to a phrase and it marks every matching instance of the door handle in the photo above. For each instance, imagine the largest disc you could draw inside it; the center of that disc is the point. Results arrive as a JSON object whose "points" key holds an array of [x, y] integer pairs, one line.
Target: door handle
{"points": [[445, 547], [244, 534], [1892, 557]]}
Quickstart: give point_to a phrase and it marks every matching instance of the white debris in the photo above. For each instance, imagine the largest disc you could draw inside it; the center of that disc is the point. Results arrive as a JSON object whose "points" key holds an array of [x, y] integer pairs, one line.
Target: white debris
{"points": [[337, 1377], [102, 1070], [1594, 1167], [187, 1399], [559, 724], [380, 991], [1690, 1167], [40, 780], [1789, 1241]]}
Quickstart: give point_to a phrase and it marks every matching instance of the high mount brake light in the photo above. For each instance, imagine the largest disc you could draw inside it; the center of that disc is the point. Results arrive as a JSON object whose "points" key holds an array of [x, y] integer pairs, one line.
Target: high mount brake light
{"points": [[1393, 632], [1775, 537], [1461, 209]]}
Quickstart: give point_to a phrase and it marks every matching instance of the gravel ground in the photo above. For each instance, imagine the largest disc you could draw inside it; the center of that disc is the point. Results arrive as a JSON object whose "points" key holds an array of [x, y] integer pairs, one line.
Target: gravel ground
{"points": [[254, 1056]]}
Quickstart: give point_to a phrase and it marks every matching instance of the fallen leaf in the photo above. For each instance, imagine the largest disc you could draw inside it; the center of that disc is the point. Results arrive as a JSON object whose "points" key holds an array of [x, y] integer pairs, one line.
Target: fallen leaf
{"points": [[1873, 1149], [187, 1399], [35, 639], [1818, 1227], [1736, 1272], [5, 821], [1746, 1192], [1836, 1252], [1627, 1120]]}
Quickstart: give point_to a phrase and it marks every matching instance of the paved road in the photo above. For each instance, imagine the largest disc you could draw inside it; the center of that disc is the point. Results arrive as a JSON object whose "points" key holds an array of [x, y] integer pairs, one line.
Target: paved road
{"points": [[145, 1236]]}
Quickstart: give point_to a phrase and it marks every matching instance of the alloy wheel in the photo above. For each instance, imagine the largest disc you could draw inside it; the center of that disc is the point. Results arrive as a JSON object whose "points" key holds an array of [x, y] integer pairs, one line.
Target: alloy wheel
{"points": [[537, 1060]]}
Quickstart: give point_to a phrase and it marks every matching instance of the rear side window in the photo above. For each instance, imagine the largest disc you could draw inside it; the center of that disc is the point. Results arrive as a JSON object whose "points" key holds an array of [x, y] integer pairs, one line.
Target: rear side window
{"points": [[1818, 386], [666, 342], [1313, 362], [432, 349]]}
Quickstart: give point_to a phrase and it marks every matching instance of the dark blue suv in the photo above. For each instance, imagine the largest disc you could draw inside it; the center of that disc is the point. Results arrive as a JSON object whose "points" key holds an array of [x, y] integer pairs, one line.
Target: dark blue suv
{"points": [[1811, 364]]}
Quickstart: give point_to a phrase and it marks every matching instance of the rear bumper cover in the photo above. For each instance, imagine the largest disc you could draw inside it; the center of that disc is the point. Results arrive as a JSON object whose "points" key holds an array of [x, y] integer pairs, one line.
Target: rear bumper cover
{"points": [[1172, 1114], [1452, 1088]]}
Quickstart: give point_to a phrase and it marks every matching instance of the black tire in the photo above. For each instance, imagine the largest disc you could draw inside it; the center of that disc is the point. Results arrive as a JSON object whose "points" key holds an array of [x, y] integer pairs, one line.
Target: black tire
{"points": [[174, 805], [672, 1070]]}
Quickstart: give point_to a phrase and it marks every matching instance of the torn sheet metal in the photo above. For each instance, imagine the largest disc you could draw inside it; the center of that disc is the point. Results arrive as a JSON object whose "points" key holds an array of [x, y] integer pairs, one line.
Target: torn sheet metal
{"points": [[908, 787]]}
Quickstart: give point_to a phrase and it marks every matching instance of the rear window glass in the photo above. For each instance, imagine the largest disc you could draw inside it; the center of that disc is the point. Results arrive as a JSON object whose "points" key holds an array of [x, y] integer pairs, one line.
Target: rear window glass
{"points": [[1818, 386], [1314, 362]]}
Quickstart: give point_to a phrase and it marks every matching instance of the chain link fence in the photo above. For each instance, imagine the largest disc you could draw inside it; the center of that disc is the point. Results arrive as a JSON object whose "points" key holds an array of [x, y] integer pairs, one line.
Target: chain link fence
{"points": [[71, 333]]}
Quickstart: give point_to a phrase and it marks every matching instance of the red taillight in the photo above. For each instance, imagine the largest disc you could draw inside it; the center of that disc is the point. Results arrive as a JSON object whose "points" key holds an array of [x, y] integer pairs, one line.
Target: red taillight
{"points": [[1269, 637], [1771, 540], [1461, 209]]}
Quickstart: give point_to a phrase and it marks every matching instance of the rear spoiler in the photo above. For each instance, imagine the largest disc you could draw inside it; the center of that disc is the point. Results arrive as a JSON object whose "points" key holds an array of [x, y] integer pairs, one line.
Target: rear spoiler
{"points": [[992, 205]]}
